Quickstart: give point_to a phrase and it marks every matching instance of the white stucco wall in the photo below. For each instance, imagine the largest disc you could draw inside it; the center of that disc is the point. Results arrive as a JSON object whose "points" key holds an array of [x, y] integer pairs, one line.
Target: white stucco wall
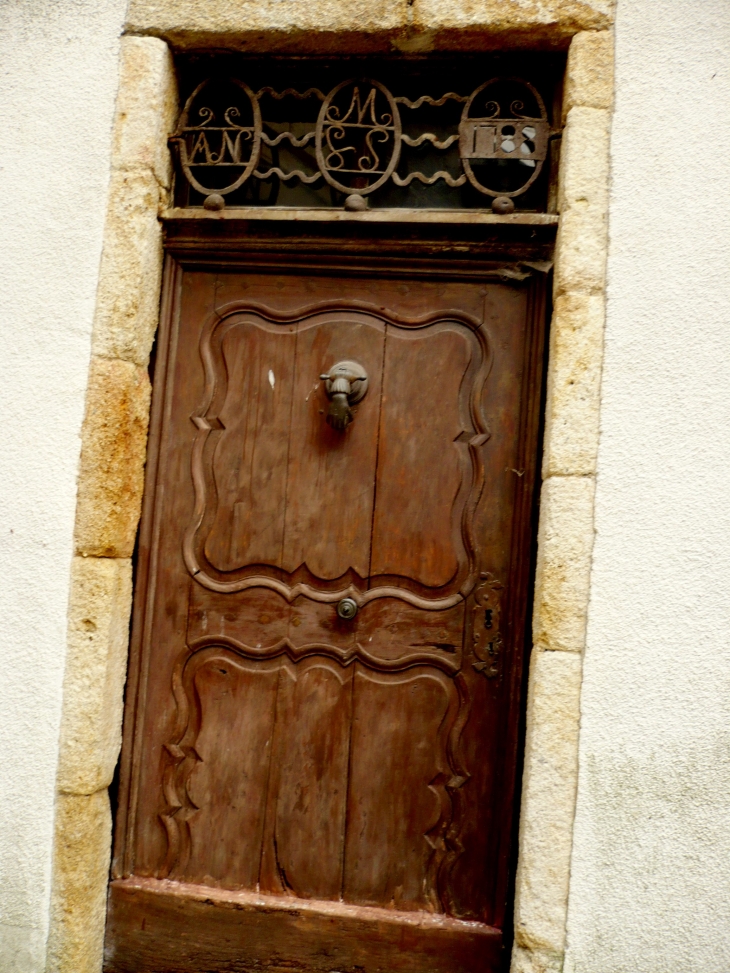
{"points": [[650, 883], [651, 863], [58, 81]]}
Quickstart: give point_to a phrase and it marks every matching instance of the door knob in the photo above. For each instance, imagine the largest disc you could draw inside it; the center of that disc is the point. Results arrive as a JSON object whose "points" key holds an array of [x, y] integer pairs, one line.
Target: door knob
{"points": [[346, 383], [347, 608]]}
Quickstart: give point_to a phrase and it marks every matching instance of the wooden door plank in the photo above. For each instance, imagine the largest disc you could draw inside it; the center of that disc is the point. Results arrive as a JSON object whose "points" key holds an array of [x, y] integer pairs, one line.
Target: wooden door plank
{"points": [[420, 463], [256, 618], [249, 464], [166, 927], [222, 790], [161, 605], [390, 629], [303, 843], [331, 473], [398, 806]]}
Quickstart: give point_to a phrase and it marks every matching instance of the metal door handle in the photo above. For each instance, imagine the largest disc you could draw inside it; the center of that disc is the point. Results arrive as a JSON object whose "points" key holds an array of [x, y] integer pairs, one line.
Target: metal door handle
{"points": [[346, 383]]}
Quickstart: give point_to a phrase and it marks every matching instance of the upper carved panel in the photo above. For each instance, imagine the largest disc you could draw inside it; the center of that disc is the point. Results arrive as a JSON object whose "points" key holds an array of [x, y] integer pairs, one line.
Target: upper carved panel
{"points": [[382, 508]]}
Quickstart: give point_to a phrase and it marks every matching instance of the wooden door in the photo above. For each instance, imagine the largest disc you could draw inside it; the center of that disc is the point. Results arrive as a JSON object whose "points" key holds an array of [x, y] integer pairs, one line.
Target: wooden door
{"points": [[302, 791]]}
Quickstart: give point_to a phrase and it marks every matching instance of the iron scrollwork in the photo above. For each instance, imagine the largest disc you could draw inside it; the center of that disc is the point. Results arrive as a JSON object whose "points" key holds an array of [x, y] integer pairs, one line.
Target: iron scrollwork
{"points": [[497, 135], [207, 148], [356, 144]]}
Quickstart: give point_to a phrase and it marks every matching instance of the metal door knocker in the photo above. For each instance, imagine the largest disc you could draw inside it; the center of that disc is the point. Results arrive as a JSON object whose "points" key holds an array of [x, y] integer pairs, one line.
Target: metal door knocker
{"points": [[346, 383]]}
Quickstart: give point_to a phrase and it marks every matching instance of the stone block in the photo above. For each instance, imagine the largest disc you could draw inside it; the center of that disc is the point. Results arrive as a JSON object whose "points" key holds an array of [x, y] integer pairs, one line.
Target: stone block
{"points": [[548, 805], [580, 250], [329, 25], [146, 109], [535, 960], [515, 22], [95, 672], [82, 851], [128, 294], [113, 449], [574, 385], [584, 160], [589, 71], [264, 24], [564, 550]]}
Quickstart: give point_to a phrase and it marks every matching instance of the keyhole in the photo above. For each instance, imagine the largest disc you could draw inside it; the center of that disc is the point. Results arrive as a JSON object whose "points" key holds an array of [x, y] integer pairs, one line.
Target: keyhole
{"points": [[488, 617]]}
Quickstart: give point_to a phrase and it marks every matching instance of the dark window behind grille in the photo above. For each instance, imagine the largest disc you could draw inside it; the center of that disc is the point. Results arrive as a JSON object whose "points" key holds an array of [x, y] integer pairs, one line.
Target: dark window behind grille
{"points": [[380, 129]]}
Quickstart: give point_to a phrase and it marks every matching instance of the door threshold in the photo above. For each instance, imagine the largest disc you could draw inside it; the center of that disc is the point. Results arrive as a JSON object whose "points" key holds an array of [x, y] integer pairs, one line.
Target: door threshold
{"points": [[178, 927]]}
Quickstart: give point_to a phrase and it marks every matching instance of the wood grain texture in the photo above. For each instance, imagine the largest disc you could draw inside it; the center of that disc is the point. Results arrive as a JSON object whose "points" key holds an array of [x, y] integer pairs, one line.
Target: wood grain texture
{"points": [[169, 928], [398, 808], [252, 447], [421, 466], [330, 484], [236, 702], [308, 790], [328, 794]]}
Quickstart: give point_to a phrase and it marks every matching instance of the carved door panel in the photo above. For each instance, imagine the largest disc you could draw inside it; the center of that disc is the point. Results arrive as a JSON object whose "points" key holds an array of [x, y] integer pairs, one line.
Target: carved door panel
{"points": [[320, 739]]}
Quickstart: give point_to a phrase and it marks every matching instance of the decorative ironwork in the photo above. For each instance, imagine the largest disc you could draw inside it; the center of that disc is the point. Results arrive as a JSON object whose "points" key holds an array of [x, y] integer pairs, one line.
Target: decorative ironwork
{"points": [[356, 144], [361, 141], [495, 135], [209, 148]]}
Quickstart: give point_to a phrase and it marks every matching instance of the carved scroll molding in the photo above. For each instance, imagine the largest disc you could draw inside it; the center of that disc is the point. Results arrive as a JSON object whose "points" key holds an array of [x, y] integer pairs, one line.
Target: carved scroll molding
{"points": [[208, 423], [345, 657]]}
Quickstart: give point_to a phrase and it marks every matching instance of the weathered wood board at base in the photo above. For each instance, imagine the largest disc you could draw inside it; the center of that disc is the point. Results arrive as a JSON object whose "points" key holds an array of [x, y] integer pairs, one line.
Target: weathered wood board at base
{"points": [[228, 932], [302, 791], [208, 931]]}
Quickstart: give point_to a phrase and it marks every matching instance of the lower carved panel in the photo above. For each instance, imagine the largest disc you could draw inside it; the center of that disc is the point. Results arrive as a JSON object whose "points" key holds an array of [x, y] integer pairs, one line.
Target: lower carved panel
{"points": [[320, 778]]}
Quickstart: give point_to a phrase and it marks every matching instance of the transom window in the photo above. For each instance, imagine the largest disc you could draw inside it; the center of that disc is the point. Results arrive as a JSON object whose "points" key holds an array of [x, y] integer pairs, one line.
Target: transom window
{"points": [[425, 133]]}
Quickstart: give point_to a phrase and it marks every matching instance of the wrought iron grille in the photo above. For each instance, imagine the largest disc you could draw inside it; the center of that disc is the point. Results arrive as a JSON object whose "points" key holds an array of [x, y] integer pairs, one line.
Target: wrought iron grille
{"points": [[361, 142]]}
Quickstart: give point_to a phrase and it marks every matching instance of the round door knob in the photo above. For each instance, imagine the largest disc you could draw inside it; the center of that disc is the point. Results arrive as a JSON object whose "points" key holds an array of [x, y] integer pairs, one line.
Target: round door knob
{"points": [[347, 608]]}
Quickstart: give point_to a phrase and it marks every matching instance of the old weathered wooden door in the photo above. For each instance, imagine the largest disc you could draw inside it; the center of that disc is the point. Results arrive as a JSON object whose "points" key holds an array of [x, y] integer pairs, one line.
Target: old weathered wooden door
{"points": [[321, 732]]}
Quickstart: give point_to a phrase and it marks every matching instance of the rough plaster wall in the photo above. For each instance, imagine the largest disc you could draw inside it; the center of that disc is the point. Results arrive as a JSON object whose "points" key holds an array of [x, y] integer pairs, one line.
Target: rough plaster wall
{"points": [[651, 861], [58, 81]]}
